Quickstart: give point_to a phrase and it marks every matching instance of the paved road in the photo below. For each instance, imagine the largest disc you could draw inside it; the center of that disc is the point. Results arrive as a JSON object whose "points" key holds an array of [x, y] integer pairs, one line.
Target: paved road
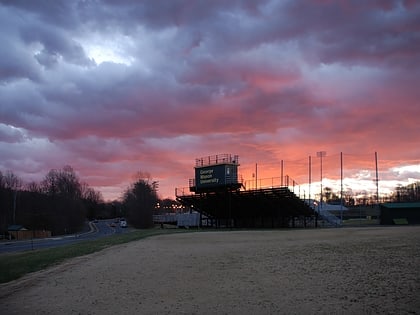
{"points": [[98, 229]]}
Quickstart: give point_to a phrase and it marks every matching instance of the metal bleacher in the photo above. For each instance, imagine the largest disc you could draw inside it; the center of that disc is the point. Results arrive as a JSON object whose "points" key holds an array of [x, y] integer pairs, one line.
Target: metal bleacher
{"points": [[266, 207], [218, 193]]}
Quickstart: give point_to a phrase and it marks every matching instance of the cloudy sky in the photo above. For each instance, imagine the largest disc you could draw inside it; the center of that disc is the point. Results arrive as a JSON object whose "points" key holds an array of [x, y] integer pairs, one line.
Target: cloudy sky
{"points": [[116, 87]]}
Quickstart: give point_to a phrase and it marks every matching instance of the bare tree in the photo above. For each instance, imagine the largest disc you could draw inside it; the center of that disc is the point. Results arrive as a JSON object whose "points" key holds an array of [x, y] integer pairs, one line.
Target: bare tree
{"points": [[59, 203], [92, 200], [11, 181], [33, 187], [63, 189], [63, 183], [14, 184]]}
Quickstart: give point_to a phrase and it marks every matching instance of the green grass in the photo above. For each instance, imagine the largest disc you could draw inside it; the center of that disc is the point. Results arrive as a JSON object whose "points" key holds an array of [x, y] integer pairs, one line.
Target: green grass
{"points": [[16, 265], [362, 221], [400, 221]]}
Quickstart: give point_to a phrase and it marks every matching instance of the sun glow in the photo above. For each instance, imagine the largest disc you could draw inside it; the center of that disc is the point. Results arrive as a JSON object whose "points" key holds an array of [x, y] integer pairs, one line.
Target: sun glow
{"points": [[114, 49]]}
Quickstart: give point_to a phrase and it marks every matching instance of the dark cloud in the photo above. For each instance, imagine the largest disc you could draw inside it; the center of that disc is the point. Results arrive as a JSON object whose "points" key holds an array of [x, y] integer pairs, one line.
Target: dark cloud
{"points": [[116, 86]]}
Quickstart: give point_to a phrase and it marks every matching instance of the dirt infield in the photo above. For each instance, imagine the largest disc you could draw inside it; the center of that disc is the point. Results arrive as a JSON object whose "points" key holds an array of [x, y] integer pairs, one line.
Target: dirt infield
{"points": [[314, 271]]}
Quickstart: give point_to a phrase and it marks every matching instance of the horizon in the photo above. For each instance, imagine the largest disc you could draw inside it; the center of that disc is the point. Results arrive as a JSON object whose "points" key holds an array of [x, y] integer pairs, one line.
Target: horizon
{"points": [[357, 181]]}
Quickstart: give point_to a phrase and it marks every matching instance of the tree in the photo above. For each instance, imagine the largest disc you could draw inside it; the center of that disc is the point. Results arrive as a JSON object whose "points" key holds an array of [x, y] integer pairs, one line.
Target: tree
{"points": [[58, 203], [33, 187], [64, 183], [65, 207], [139, 202], [92, 200], [11, 181], [328, 193], [408, 193], [10, 185]]}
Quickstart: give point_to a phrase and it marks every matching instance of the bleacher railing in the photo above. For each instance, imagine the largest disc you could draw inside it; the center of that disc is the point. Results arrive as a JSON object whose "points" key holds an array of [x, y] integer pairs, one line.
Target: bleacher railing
{"points": [[276, 182], [255, 184], [217, 159]]}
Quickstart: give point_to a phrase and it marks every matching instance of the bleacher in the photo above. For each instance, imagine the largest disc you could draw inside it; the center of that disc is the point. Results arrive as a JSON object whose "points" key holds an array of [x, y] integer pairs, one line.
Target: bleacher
{"points": [[269, 207], [220, 195]]}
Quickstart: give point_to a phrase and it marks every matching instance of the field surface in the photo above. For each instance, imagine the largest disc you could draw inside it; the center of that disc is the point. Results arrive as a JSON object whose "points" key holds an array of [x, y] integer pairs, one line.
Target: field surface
{"points": [[363, 270]]}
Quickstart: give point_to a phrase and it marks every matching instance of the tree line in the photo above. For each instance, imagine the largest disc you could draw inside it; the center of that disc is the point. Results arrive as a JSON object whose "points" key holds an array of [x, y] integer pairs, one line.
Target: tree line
{"points": [[408, 193], [61, 203]]}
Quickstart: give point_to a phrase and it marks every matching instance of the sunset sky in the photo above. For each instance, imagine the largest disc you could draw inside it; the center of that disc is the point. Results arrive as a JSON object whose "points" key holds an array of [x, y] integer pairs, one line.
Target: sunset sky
{"points": [[116, 87]]}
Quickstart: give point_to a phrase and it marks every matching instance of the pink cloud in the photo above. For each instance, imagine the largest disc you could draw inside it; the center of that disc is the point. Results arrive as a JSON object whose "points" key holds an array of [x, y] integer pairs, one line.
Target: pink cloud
{"points": [[270, 81]]}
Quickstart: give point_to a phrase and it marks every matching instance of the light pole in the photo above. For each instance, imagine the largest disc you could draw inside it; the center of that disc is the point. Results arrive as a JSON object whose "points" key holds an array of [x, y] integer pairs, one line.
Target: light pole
{"points": [[310, 179], [321, 154]]}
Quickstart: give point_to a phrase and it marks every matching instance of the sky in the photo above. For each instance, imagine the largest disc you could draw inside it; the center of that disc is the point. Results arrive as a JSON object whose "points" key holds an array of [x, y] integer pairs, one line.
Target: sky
{"points": [[112, 88]]}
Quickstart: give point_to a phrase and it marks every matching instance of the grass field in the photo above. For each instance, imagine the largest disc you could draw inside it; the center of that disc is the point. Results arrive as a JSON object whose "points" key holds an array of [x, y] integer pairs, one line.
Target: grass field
{"points": [[361, 221], [16, 265]]}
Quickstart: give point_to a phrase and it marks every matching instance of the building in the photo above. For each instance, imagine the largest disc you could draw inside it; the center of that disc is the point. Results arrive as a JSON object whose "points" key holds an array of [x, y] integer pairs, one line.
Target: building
{"points": [[400, 213], [19, 232]]}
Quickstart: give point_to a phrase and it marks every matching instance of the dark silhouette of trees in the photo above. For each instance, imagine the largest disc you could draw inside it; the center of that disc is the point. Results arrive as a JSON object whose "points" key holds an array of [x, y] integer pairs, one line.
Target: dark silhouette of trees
{"points": [[330, 196], [140, 200], [92, 200], [409, 193], [63, 183], [65, 203], [60, 203], [10, 184]]}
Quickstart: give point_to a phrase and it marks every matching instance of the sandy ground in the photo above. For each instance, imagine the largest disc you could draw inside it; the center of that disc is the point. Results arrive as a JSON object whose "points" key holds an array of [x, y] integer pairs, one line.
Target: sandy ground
{"points": [[323, 271]]}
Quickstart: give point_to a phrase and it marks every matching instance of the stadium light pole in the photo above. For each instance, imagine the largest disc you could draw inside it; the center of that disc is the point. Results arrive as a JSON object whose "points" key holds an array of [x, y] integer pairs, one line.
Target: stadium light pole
{"points": [[377, 179], [256, 175], [341, 187], [310, 178], [321, 154], [281, 173]]}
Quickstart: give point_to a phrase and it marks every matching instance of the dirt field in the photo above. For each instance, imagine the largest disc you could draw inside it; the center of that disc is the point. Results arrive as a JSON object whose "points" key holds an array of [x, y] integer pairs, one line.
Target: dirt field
{"points": [[370, 270]]}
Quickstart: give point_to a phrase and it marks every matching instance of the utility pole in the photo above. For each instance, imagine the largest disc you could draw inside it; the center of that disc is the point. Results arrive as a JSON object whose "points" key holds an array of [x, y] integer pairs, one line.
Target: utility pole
{"points": [[321, 154], [341, 191], [281, 173], [377, 179], [256, 176], [14, 205], [310, 179]]}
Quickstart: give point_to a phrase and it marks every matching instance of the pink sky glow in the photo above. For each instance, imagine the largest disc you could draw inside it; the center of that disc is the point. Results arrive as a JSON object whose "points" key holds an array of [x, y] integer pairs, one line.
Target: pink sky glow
{"points": [[116, 87]]}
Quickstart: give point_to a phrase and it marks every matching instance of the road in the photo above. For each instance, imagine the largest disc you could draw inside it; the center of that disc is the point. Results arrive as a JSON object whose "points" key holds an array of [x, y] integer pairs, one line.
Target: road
{"points": [[100, 228]]}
